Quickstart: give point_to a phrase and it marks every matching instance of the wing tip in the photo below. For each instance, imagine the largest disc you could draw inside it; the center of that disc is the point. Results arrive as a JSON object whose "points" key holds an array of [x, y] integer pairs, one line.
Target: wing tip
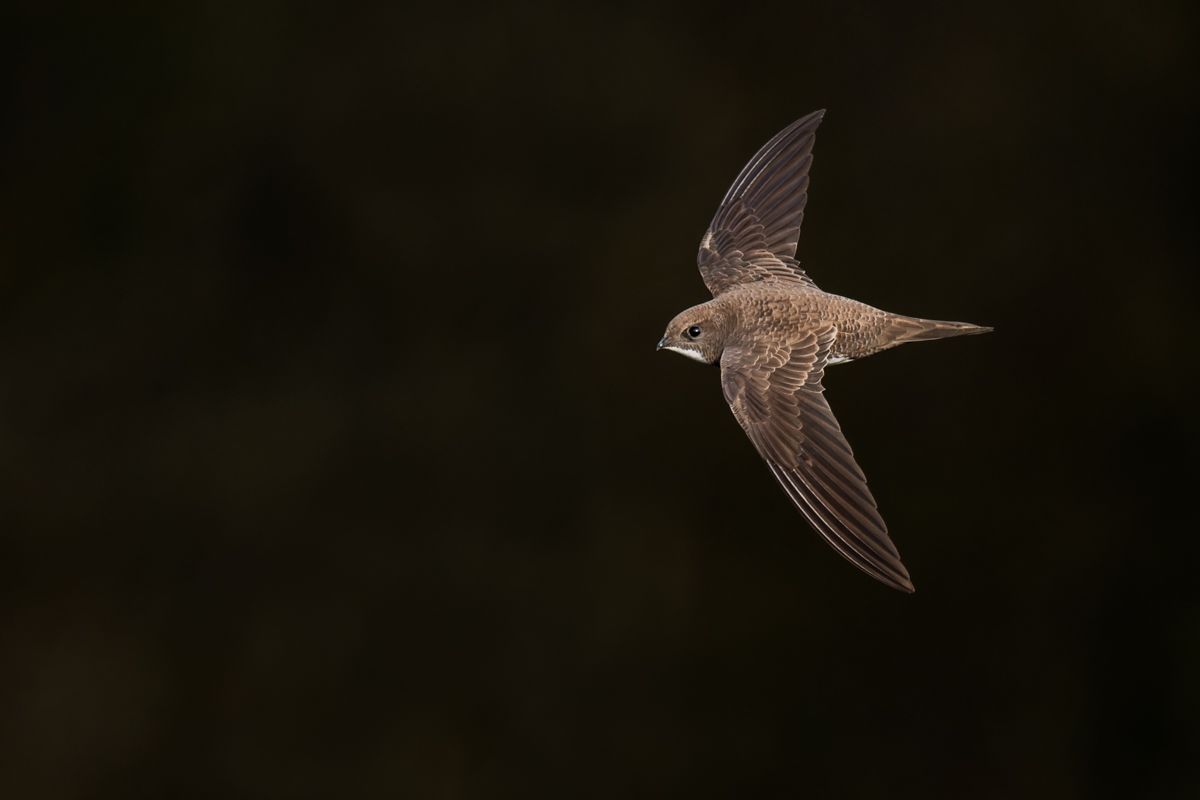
{"points": [[892, 578], [814, 116], [897, 579], [801, 126]]}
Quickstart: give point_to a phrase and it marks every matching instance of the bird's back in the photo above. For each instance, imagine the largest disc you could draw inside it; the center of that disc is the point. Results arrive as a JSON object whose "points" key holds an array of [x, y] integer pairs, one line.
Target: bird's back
{"points": [[785, 308]]}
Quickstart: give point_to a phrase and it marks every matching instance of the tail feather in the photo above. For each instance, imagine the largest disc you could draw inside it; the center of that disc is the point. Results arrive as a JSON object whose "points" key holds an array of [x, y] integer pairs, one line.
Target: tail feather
{"points": [[912, 329]]}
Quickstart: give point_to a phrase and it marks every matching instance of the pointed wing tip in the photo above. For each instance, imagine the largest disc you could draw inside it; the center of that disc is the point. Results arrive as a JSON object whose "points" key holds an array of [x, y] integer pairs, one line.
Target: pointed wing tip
{"points": [[809, 122], [893, 579]]}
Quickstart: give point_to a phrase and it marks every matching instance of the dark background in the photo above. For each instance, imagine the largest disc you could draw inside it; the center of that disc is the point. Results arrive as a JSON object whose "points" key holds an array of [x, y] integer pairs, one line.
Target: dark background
{"points": [[336, 459]]}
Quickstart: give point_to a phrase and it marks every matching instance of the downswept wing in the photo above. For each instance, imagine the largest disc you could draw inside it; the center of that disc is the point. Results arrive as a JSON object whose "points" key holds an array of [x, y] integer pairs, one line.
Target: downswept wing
{"points": [[775, 393], [753, 235]]}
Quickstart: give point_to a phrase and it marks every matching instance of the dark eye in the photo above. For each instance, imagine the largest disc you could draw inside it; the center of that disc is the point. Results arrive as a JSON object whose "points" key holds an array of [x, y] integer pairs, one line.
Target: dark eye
{"points": [[693, 332]]}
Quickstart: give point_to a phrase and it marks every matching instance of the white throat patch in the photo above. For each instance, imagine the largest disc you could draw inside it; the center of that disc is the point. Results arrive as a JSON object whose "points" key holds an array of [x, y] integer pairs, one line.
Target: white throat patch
{"points": [[692, 354]]}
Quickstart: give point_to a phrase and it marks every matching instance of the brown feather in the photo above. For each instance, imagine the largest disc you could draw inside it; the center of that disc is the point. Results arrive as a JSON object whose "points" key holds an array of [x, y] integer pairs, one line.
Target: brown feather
{"points": [[775, 392], [754, 232]]}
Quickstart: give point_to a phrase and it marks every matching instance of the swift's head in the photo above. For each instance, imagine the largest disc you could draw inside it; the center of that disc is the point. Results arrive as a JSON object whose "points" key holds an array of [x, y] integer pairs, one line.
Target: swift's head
{"points": [[697, 333]]}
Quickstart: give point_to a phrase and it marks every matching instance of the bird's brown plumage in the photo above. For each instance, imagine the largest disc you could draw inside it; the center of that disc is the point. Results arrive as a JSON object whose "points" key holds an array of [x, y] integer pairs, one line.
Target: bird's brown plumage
{"points": [[754, 232], [774, 332], [774, 388]]}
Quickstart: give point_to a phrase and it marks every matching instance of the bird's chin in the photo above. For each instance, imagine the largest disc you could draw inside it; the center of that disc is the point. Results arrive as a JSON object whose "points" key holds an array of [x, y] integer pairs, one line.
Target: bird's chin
{"points": [[695, 355]]}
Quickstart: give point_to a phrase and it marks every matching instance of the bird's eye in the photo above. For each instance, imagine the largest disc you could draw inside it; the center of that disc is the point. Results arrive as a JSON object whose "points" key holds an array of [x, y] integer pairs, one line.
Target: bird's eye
{"points": [[693, 332]]}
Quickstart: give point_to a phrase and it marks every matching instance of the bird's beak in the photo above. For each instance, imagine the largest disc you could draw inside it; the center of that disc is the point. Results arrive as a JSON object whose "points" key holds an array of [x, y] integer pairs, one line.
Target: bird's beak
{"points": [[661, 342]]}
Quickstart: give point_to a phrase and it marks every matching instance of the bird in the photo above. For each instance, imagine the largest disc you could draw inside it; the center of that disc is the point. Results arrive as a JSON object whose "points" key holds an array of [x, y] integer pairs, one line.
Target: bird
{"points": [[773, 333]]}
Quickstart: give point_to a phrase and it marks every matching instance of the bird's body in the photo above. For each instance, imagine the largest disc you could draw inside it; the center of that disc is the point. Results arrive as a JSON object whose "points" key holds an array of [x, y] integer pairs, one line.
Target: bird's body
{"points": [[760, 310], [773, 331]]}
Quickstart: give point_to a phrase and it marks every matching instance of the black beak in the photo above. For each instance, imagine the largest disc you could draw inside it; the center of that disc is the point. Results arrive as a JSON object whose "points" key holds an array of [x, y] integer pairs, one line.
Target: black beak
{"points": [[660, 343]]}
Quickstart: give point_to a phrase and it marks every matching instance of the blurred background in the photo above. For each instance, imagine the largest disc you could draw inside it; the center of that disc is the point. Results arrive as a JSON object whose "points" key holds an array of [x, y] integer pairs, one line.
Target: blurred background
{"points": [[337, 461]]}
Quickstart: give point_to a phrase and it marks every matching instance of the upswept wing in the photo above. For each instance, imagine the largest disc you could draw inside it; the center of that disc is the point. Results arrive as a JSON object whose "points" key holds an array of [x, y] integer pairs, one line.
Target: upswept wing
{"points": [[753, 235]]}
